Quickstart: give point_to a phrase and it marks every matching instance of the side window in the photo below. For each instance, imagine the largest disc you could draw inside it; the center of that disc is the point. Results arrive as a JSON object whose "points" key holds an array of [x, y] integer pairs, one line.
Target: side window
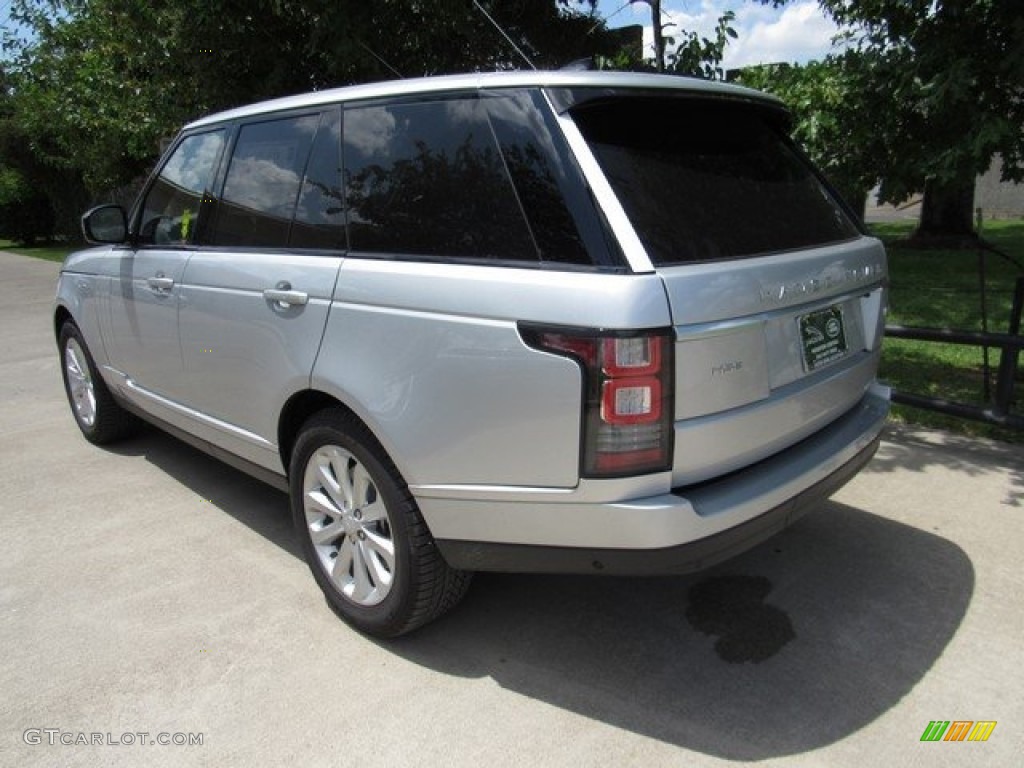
{"points": [[320, 216], [547, 180], [171, 209], [263, 182], [428, 179]]}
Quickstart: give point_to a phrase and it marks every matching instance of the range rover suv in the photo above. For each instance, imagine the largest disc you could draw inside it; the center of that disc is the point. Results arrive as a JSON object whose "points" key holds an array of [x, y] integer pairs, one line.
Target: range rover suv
{"points": [[530, 322]]}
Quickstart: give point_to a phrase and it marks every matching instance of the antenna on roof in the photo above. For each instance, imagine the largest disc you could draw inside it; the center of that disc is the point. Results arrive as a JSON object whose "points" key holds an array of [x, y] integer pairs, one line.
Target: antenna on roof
{"points": [[497, 26], [369, 50]]}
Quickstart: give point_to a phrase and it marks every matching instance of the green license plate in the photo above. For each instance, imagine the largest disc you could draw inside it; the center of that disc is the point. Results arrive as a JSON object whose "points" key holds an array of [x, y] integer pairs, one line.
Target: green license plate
{"points": [[822, 337]]}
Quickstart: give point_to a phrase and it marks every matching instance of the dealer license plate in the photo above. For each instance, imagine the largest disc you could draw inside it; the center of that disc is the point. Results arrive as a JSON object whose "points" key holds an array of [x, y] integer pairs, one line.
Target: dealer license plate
{"points": [[822, 337]]}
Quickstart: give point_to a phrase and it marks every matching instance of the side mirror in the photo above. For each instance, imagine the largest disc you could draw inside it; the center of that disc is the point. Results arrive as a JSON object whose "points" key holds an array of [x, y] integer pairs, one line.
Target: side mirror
{"points": [[105, 224]]}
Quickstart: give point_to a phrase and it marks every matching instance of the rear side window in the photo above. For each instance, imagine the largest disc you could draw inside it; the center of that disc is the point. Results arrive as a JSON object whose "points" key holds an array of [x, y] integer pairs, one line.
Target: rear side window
{"points": [[170, 212], [560, 212], [320, 216], [428, 179], [703, 181], [263, 182]]}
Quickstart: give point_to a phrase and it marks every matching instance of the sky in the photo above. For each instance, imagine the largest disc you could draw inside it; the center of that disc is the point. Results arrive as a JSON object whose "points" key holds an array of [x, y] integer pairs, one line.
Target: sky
{"points": [[796, 33]]}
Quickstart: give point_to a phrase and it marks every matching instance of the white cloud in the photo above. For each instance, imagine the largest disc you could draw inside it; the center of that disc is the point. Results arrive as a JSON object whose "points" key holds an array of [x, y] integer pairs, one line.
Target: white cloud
{"points": [[191, 165], [800, 34], [369, 130], [796, 33]]}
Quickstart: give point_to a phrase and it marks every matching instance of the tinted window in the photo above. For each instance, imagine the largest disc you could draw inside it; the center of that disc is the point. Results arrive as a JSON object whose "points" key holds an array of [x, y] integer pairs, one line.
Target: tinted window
{"points": [[428, 179], [703, 180], [319, 217], [546, 180], [263, 182], [170, 212]]}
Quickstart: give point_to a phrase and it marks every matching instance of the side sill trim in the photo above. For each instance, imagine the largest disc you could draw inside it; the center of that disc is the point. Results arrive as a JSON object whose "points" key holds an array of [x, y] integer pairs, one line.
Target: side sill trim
{"points": [[253, 470]]}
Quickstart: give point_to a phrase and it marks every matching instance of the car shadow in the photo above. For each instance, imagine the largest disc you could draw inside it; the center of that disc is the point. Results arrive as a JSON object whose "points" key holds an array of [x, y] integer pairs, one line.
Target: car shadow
{"points": [[257, 505], [788, 648]]}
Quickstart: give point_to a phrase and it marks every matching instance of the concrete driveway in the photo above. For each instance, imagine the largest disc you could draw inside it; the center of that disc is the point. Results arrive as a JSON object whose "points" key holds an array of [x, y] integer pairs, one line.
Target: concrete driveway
{"points": [[150, 589]]}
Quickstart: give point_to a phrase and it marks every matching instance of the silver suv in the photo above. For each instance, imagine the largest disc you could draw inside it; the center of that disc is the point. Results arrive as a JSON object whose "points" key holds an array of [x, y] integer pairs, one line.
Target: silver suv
{"points": [[534, 322]]}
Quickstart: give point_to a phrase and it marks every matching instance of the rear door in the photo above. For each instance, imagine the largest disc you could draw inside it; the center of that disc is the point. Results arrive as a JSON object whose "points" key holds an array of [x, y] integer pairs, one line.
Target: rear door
{"points": [[776, 295], [255, 298]]}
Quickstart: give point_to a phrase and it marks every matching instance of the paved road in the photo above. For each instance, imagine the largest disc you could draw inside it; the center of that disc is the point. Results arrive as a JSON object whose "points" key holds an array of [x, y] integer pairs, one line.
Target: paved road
{"points": [[151, 589]]}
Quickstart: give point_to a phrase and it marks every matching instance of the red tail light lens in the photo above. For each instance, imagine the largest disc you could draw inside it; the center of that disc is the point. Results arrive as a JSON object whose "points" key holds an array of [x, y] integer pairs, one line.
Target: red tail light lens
{"points": [[627, 396]]}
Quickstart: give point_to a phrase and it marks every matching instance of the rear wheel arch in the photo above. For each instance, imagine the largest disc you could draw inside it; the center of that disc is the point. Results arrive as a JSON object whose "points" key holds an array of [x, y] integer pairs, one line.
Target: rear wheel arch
{"points": [[304, 405], [361, 531]]}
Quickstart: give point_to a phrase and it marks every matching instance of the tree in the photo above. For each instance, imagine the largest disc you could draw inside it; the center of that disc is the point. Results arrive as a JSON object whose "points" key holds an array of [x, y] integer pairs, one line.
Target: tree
{"points": [[947, 83], [828, 118], [102, 81], [28, 188], [701, 56]]}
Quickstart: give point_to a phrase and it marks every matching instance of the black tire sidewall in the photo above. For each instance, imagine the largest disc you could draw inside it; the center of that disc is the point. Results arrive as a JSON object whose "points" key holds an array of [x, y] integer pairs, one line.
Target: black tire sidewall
{"points": [[390, 616]]}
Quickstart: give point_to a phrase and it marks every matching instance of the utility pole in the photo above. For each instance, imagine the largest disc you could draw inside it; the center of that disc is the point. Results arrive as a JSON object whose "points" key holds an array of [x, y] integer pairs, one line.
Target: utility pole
{"points": [[659, 36]]}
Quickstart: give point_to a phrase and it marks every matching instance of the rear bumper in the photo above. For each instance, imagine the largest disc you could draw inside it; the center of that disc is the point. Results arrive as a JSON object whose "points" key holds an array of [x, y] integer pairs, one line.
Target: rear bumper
{"points": [[682, 558], [686, 530]]}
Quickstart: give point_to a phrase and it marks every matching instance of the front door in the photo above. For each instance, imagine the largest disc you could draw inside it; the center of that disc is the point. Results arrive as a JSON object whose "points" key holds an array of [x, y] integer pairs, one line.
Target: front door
{"points": [[146, 294]]}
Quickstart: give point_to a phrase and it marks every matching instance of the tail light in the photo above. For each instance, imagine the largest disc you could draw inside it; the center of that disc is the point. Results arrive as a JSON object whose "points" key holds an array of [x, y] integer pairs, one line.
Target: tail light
{"points": [[627, 396]]}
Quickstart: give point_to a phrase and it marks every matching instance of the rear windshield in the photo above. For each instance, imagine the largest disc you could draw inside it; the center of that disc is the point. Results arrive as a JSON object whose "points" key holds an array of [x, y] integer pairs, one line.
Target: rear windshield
{"points": [[703, 181]]}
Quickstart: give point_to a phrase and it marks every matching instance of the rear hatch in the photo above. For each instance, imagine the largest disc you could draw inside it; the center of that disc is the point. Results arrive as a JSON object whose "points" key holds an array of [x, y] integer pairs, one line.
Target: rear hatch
{"points": [[776, 295]]}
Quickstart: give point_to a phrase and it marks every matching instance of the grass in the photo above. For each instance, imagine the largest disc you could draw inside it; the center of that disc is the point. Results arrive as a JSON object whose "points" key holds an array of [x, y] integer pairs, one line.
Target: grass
{"points": [[50, 252], [941, 289]]}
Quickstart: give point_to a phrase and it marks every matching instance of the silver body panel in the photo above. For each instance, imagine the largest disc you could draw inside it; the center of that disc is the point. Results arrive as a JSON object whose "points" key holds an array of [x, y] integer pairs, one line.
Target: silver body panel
{"points": [[430, 356], [654, 521], [484, 428], [243, 354]]}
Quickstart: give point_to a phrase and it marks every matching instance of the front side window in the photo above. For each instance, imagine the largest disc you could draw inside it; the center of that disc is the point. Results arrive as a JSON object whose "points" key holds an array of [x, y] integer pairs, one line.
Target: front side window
{"points": [[170, 212], [704, 180], [263, 182], [428, 179]]}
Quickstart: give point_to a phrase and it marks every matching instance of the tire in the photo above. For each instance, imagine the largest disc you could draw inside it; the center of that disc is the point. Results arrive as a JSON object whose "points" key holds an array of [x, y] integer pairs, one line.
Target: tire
{"points": [[97, 413], [362, 534]]}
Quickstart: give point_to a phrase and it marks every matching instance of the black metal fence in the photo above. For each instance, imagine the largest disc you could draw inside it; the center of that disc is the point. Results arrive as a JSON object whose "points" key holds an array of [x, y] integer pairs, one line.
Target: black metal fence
{"points": [[998, 404]]}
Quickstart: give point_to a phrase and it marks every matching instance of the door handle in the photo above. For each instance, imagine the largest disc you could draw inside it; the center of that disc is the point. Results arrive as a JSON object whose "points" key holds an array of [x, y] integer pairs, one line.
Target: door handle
{"points": [[284, 297], [160, 284]]}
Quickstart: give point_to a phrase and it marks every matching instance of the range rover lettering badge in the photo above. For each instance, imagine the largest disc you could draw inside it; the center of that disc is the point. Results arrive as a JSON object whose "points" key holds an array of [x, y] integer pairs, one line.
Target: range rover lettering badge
{"points": [[777, 293]]}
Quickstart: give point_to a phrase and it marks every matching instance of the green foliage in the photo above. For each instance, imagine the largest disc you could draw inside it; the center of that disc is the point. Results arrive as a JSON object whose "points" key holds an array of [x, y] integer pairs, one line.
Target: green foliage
{"points": [[826, 99], [102, 81], [940, 82], [702, 56], [12, 186], [26, 209]]}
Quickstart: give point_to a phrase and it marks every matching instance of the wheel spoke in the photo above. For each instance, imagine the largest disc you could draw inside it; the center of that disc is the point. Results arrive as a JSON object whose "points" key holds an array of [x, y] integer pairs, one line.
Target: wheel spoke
{"points": [[328, 533], [362, 587], [374, 512], [328, 482], [383, 546], [323, 505], [380, 555], [344, 470], [361, 484], [342, 565]]}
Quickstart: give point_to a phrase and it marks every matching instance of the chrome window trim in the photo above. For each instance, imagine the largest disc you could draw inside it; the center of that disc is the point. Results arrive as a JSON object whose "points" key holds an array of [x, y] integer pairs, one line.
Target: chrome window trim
{"points": [[604, 196]]}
